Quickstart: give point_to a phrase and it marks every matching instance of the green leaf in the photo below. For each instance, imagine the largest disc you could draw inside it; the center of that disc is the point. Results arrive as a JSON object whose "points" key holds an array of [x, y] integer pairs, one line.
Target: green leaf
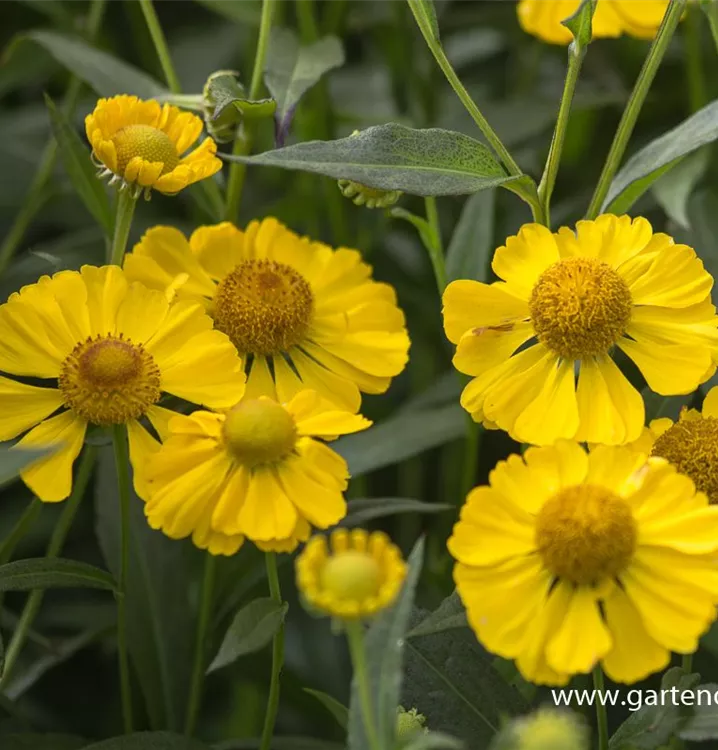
{"points": [[75, 156], [339, 711], [365, 509], [251, 630], [230, 105], [104, 73], [148, 741], [651, 726], [14, 460], [702, 725], [580, 23], [32, 741], [664, 406], [50, 573], [472, 243], [384, 656], [448, 615], [425, 14], [161, 619], [394, 157], [291, 70], [673, 189], [398, 438], [451, 679], [645, 167]]}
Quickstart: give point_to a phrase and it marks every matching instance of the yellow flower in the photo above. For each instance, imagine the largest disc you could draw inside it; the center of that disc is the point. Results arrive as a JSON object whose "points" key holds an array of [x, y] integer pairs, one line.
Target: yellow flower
{"points": [[639, 18], [354, 575], [256, 472], [301, 314], [690, 444], [141, 143], [112, 348], [567, 559], [564, 302], [548, 729]]}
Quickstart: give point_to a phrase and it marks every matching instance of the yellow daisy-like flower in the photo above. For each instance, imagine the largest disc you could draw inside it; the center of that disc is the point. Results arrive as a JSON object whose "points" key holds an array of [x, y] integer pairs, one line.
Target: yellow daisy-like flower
{"points": [[639, 18], [564, 302], [301, 314], [257, 471], [112, 348], [568, 559], [353, 575], [141, 144], [690, 444]]}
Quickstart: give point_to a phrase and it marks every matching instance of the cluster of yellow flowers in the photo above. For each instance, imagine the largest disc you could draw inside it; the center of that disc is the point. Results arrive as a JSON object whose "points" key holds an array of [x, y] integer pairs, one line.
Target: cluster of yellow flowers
{"points": [[568, 557]]}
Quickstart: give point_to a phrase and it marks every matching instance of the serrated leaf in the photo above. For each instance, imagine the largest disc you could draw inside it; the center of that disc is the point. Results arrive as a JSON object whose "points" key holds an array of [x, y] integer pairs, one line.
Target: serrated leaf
{"points": [[471, 247], [362, 510], [339, 711], [14, 460], [384, 661], [448, 615], [106, 74], [398, 438], [149, 741], [49, 573], [652, 161], [75, 156], [291, 70], [252, 629], [394, 157], [673, 189], [580, 23]]}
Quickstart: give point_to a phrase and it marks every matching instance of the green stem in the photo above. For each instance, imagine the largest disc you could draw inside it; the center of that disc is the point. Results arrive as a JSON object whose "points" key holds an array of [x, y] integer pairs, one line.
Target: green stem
{"points": [[123, 221], [576, 53], [243, 145], [687, 663], [355, 638], [122, 467], [59, 534], [471, 457], [601, 715], [435, 246], [277, 656], [635, 102], [446, 67], [158, 39], [23, 525], [200, 648], [697, 94], [710, 8], [37, 195], [308, 27]]}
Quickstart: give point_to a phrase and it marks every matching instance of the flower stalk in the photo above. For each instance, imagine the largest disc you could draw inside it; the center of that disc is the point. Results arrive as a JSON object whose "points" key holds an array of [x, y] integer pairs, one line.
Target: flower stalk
{"points": [[355, 637], [277, 655], [126, 203]]}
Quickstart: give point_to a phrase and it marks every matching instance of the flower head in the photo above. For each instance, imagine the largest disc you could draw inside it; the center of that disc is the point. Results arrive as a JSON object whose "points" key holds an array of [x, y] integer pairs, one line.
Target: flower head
{"points": [[257, 471], [546, 729], [141, 143], [353, 575], [300, 314], [639, 18], [112, 348], [690, 443], [564, 302], [568, 559]]}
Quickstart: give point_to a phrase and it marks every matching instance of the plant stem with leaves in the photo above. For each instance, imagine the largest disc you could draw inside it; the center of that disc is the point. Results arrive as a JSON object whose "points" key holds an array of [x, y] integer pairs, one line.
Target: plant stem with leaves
{"points": [[54, 547], [277, 656], [122, 466], [635, 103], [243, 144]]}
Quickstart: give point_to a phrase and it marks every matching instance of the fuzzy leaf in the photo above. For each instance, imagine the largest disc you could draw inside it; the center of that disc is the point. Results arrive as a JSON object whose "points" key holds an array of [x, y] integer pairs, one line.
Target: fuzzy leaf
{"points": [[50, 573], [472, 245]]}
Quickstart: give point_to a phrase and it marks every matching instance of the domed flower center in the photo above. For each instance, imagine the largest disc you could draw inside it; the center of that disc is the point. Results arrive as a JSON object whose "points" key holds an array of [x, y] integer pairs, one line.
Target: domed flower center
{"points": [[580, 307], [259, 431], [585, 533], [691, 445], [351, 575], [149, 143], [109, 380], [263, 306]]}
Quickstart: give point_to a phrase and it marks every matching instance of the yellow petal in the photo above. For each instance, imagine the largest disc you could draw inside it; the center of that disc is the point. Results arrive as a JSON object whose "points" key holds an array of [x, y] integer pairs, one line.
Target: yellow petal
{"points": [[267, 512], [634, 654], [583, 638], [480, 349], [332, 386], [617, 469], [160, 418], [23, 406], [51, 478], [321, 505], [259, 381], [366, 382], [316, 417], [710, 403], [658, 492], [141, 313], [225, 516], [218, 248], [695, 532], [142, 445], [106, 289]]}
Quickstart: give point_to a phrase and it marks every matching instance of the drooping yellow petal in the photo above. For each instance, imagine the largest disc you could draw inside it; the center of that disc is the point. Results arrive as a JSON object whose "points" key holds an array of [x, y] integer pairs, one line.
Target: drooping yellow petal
{"points": [[225, 517], [51, 478], [480, 349], [218, 249], [617, 469], [23, 406], [343, 392], [316, 417], [267, 512], [141, 445], [321, 505]]}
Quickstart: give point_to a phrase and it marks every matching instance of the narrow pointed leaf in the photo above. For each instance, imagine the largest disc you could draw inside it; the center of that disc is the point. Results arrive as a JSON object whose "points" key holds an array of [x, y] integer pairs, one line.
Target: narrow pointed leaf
{"points": [[472, 243], [365, 509], [49, 573], [14, 460]]}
